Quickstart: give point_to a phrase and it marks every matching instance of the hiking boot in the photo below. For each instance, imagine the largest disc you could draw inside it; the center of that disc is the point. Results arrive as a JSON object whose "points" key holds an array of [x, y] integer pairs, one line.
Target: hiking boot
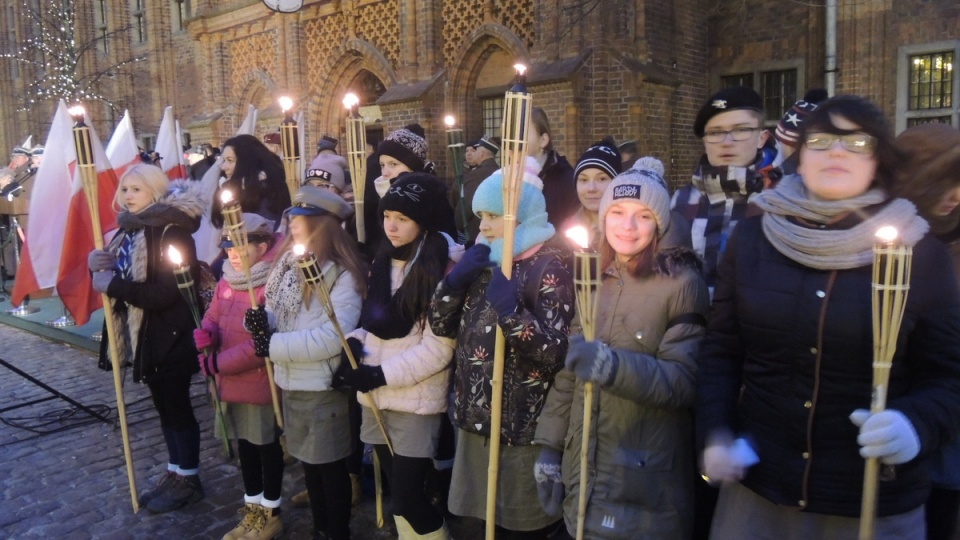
{"points": [[184, 490], [249, 513], [165, 481], [300, 500], [267, 525]]}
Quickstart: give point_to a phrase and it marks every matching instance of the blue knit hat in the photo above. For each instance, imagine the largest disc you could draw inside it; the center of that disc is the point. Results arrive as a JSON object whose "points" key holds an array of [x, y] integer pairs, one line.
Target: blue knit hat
{"points": [[532, 225]]}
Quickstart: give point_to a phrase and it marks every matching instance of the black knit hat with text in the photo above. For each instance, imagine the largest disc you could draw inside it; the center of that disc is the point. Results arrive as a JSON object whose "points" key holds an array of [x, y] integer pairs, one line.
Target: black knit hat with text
{"points": [[408, 145], [603, 155]]}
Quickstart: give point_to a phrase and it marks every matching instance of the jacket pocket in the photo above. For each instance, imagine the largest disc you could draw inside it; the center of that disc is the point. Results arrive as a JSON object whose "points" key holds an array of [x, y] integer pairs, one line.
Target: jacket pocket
{"points": [[639, 477]]}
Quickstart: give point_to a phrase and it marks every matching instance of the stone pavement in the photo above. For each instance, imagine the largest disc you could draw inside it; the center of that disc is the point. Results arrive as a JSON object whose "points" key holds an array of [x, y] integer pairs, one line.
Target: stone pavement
{"points": [[71, 483]]}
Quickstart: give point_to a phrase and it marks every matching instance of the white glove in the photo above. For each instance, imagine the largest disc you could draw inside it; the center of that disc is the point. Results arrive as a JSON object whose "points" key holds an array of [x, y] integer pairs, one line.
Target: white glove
{"points": [[887, 435], [725, 464]]}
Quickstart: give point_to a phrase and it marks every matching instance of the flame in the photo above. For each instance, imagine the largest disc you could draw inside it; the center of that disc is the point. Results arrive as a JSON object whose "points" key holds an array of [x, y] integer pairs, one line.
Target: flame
{"points": [[579, 236], [350, 100], [299, 250], [77, 110], [449, 120], [174, 256], [226, 197], [521, 69], [887, 234], [286, 103]]}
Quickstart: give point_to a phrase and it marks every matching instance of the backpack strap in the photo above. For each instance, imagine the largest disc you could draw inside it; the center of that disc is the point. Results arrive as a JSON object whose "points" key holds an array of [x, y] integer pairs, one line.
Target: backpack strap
{"points": [[531, 289]]}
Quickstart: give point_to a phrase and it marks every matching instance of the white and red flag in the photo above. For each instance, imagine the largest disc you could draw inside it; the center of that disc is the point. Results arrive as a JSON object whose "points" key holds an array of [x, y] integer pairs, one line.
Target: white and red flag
{"points": [[170, 148], [56, 247], [122, 150]]}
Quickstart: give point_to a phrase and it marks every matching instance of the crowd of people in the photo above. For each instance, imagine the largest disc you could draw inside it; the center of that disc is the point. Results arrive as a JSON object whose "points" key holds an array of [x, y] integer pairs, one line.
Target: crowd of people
{"points": [[733, 356]]}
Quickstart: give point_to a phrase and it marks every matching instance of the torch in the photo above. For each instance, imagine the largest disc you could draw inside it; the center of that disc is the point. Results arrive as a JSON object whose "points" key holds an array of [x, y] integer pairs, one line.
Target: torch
{"points": [[88, 175], [290, 146], [891, 284], [456, 147], [357, 159], [586, 279], [517, 105], [314, 278], [238, 237], [189, 293]]}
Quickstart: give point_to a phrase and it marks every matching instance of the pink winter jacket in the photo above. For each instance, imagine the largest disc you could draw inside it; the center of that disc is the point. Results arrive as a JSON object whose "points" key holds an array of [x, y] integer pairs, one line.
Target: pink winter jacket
{"points": [[242, 376]]}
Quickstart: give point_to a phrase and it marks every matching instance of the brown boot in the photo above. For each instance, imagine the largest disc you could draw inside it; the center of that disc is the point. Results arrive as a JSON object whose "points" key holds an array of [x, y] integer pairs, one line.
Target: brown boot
{"points": [[300, 500], [267, 527], [250, 513]]}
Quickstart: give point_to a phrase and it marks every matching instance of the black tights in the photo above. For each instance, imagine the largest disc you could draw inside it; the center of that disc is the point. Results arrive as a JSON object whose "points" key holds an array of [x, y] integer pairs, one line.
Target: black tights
{"points": [[407, 477], [262, 468], [328, 485]]}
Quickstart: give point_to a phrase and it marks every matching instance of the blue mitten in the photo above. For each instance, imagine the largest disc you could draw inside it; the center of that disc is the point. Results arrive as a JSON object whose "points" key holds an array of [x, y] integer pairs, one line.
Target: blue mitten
{"points": [[546, 471], [887, 435], [591, 360], [474, 261], [502, 294]]}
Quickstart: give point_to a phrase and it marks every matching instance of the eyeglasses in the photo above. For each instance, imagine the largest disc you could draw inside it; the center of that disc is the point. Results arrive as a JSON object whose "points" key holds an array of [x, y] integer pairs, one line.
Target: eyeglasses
{"points": [[858, 143], [737, 134]]}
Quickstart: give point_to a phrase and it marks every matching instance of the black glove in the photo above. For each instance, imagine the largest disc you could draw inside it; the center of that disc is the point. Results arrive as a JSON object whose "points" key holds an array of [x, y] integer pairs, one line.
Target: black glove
{"points": [[474, 261], [341, 374], [363, 379], [257, 323]]}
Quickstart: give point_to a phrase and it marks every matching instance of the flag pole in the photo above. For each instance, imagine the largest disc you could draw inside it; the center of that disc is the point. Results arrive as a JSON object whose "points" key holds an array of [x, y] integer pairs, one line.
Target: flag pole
{"points": [[88, 175], [517, 106]]}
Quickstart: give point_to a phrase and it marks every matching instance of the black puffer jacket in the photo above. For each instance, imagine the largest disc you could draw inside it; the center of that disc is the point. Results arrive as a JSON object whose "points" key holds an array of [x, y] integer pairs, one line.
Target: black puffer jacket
{"points": [[788, 356]]}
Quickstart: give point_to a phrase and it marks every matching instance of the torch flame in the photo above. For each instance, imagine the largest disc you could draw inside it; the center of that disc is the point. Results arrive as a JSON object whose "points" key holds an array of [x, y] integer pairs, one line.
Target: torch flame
{"points": [[350, 100], [521, 69], [299, 250], [285, 104], [226, 196], [174, 256], [887, 234], [579, 236], [77, 110], [449, 120]]}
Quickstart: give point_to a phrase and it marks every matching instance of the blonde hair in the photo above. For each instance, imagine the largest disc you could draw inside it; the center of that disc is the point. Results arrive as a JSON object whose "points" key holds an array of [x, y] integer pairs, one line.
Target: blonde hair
{"points": [[150, 176]]}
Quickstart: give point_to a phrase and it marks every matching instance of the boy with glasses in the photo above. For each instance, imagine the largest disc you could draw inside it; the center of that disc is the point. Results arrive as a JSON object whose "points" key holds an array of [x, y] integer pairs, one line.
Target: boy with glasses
{"points": [[730, 124]]}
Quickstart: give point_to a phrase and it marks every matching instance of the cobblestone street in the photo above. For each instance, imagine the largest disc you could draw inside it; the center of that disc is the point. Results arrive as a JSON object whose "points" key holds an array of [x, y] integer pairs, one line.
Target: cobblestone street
{"points": [[69, 482]]}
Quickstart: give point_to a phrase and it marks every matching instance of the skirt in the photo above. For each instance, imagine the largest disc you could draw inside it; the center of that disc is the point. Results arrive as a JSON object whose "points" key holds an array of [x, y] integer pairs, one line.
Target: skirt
{"points": [[253, 423], [518, 507], [411, 435], [317, 425], [741, 514]]}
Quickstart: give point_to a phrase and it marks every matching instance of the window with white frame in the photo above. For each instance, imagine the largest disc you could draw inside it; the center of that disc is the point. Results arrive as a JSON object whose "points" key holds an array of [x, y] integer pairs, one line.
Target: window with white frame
{"points": [[928, 84], [492, 116], [778, 84], [138, 12]]}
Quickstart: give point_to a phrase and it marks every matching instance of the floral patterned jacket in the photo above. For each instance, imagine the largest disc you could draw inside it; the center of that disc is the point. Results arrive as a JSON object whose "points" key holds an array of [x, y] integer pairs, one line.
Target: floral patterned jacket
{"points": [[536, 342]]}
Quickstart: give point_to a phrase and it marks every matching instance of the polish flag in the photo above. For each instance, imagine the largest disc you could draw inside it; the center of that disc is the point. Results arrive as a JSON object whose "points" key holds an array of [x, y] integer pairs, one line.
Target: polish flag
{"points": [[169, 148], [56, 247], [122, 150], [249, 125]]}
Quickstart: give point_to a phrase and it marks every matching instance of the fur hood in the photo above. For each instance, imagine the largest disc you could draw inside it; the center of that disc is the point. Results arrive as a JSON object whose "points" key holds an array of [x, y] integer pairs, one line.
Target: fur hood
{"points": [[671, 259]]}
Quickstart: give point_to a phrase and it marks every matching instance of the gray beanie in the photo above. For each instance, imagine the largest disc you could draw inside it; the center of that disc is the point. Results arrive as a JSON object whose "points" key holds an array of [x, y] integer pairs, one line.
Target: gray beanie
{"points": [[641, 183], [329, 168]]}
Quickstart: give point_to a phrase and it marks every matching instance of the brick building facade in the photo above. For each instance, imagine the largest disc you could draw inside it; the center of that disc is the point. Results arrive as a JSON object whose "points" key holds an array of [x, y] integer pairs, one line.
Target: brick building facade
{"points": [[634, 69]]}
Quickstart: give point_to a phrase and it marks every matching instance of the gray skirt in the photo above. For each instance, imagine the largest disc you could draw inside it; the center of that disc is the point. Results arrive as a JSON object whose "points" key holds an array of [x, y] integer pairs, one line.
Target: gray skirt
{"points": [[518, 507], [253, 423], [411, 435], [317, 425], [741, 514]]}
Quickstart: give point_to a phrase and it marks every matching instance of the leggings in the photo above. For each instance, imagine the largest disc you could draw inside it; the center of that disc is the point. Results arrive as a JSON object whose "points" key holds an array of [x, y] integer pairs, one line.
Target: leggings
{"points": [[181, 432], [408, 495], [328, 485], [262, 468]]}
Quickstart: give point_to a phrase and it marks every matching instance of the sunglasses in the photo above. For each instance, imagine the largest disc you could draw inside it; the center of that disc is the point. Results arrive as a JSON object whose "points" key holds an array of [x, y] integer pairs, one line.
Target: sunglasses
{"points": [[858, 143]]}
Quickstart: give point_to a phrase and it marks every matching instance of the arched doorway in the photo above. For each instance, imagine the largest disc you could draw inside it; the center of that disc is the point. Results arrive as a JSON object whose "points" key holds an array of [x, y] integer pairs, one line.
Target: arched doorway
{"points": [[368, 87]]}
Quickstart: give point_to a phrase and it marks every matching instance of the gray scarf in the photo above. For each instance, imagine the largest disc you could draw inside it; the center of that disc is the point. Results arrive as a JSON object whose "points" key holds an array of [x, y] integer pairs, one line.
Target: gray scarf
{"points": [[238, 280], [832, 249]]}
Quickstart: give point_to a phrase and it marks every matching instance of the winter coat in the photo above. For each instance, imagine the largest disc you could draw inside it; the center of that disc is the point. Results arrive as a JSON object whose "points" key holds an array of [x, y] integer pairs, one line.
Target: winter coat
{"points": [[153, 322], [306, 347], [536, 342], [945, 462], [471, 181], [788, 356], [241, 374], [416, 366], [641, 441], [559, 188]]}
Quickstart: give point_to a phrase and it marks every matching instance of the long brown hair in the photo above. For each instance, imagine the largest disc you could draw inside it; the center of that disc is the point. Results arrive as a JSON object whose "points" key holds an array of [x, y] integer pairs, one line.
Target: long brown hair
{"points": [[639, 266], [328, 241]]}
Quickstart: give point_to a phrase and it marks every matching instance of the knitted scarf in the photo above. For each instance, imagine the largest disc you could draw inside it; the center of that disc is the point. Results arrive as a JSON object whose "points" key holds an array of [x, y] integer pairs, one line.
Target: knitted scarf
{"points": [[832, 249], [238, 280], [719, 182], [284, 291]]}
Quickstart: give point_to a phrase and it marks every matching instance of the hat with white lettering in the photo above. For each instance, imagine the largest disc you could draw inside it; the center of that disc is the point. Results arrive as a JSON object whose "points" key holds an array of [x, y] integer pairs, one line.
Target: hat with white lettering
{"points": [[642, 183]]}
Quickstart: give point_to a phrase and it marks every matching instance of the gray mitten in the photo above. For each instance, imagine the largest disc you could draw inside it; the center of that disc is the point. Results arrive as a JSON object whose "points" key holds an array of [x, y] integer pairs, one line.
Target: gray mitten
{"points": [[591, 360], [546, 471]]}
